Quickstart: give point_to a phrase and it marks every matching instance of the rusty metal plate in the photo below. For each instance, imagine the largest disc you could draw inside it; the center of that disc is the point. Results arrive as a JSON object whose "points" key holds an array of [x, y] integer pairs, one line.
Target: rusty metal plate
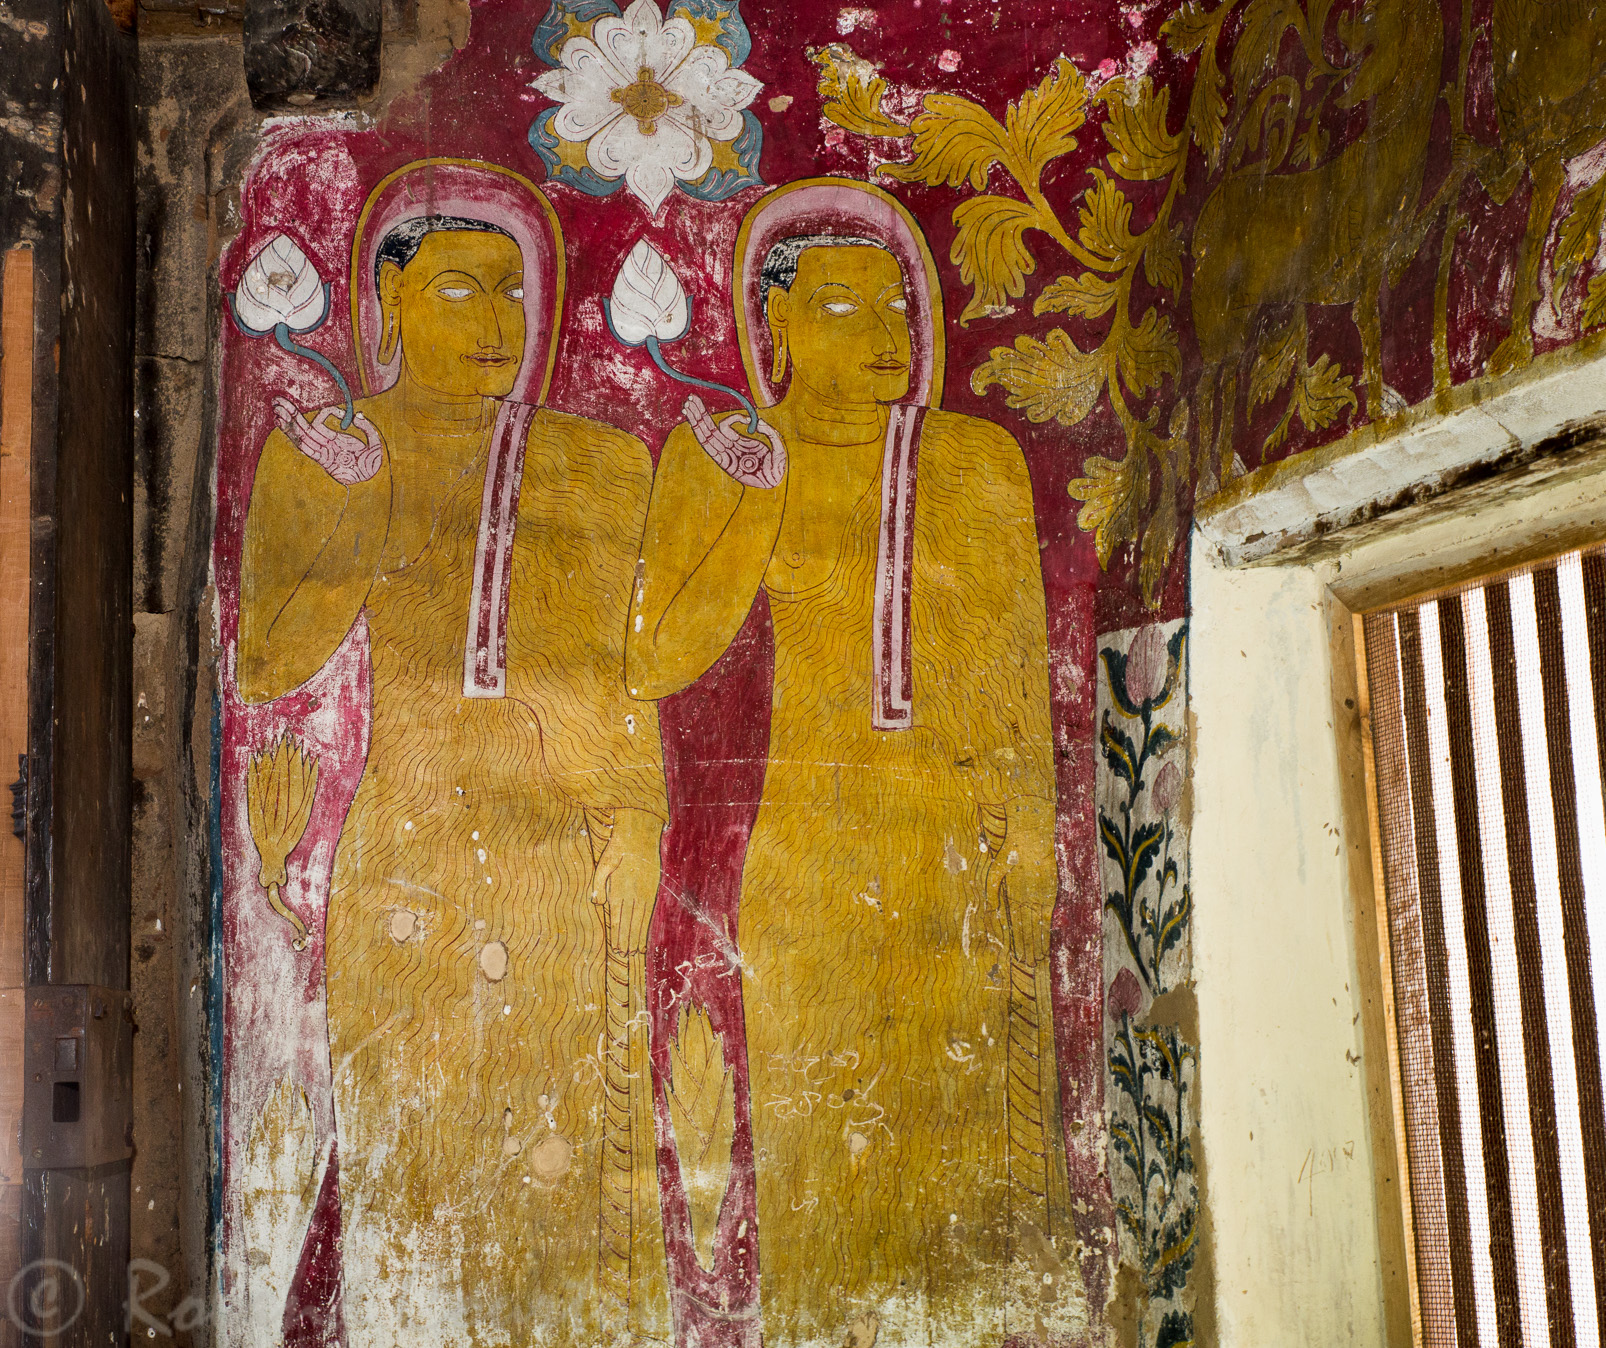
{"points": [[78, 1055]]}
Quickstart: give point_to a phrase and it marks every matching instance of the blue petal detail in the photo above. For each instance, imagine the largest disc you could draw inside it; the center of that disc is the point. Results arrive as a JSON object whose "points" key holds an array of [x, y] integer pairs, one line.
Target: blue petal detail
{"points": [[719, 184], [544, 141], [554, 31], [733, 36]]}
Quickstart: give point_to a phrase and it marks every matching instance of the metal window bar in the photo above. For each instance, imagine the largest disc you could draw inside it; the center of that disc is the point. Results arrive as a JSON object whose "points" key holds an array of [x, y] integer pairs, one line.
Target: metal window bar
{"points": [[1488, 725]]}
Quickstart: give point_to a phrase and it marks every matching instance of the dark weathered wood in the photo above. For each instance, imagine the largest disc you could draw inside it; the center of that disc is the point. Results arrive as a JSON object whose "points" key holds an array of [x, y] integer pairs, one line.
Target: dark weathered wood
{"points": [[301, 52], [66, 152], [92, 619]]}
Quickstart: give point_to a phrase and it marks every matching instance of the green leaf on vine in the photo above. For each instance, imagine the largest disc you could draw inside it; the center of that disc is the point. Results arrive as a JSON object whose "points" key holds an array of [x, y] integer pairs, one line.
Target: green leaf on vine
{"points": [[1087, 295]]}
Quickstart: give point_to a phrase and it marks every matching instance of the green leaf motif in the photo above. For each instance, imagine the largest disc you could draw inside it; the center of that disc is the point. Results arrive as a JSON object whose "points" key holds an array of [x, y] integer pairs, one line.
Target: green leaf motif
{"points": [[1145, 850], [1176, 1331], [1119, 751], [1174, 927], [1115, 673]]}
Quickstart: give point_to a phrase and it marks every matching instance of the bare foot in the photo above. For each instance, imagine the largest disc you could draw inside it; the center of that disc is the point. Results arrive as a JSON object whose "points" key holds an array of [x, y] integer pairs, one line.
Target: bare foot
{"points": [[863, 1331], [1512, 354]]}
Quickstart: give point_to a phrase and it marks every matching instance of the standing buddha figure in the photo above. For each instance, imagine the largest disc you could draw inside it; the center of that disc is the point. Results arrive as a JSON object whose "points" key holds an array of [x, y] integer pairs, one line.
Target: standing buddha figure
{"points": [[900, 877], [497, 869]]}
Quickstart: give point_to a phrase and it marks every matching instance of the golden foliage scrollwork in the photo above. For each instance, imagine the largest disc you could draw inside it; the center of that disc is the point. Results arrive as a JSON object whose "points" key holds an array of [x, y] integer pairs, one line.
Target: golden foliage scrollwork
{"points": [[853, 92], [1287, 222]]}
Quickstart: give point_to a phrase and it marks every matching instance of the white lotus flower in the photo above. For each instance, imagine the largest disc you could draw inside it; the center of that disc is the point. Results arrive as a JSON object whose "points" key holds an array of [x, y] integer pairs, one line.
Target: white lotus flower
{"points": [[648, 299], [647, 100], [280, 285]]}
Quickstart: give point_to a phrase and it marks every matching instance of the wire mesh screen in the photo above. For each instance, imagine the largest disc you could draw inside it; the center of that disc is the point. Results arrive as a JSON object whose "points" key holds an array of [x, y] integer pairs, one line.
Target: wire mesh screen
{"points": [[1489, 737]]}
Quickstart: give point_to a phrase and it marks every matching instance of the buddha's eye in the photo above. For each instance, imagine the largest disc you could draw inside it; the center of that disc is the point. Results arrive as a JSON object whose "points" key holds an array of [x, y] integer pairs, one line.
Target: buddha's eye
{"points": [[454, 292], [840, 307], [514, 292], [899, 305]]}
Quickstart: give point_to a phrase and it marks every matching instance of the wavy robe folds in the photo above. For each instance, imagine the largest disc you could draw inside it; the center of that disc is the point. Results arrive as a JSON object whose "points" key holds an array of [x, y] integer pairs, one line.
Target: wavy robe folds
{"points": [[877, 986], [465, 957]]}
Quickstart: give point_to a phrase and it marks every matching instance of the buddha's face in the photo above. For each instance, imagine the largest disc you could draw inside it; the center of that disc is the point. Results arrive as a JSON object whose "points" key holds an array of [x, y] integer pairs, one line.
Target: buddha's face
{"points": [[459, 309], [845, 325]]}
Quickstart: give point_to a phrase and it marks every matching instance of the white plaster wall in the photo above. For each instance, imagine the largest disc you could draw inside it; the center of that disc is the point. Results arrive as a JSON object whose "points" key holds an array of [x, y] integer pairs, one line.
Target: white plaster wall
{"points": [[1283, 1106]]}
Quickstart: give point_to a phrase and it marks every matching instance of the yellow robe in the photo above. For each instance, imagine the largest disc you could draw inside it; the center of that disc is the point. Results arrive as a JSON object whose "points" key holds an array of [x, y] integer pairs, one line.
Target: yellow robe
{"points": [[470, 1101], [876, 975]]}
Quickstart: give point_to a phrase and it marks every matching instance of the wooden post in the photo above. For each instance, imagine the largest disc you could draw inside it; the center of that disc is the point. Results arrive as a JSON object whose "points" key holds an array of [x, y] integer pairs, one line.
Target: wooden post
{"points": [[16, 446]]}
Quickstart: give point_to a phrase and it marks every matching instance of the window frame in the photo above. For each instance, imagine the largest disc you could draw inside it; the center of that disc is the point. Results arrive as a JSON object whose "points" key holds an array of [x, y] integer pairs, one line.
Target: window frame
{"points": [[1330, 560]]}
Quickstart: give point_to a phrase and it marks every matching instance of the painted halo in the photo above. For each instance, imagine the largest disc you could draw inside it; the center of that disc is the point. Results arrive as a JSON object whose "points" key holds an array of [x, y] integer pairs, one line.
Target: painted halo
{"points": [[846, 207], [474, 190]]}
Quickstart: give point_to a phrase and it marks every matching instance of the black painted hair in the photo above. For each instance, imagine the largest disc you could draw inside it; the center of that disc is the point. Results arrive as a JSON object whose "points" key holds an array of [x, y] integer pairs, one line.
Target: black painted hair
{"points": [[402, 243], [780, 264]]}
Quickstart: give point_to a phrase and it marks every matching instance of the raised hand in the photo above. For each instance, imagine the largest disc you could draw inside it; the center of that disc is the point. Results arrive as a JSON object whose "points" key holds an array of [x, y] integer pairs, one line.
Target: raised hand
{"points": [[346, 457], [752, 462]]}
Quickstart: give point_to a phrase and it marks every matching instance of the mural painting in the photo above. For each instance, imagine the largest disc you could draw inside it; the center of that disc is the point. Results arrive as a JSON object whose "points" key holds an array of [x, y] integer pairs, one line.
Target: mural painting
{"points": [[701, 747]]}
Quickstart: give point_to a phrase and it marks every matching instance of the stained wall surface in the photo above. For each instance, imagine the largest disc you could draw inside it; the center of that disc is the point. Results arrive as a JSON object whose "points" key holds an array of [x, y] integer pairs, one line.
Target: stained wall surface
{"points": [[892, 1034]]}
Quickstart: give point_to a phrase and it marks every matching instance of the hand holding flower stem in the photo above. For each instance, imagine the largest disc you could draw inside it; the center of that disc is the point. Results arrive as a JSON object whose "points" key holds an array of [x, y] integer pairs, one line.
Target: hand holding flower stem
{"points": [[280, 293], [648, 307]]}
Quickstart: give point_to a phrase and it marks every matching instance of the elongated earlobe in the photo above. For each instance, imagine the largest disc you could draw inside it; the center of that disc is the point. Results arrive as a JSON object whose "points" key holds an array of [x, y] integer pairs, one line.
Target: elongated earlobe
{"points": [[387, 344], [778, 365]]}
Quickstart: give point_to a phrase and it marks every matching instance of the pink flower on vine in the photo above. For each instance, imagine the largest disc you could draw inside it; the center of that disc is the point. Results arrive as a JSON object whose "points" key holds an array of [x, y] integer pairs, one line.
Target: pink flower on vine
{"points": [[1147, 664], [1167, 788], [1125, 996]]}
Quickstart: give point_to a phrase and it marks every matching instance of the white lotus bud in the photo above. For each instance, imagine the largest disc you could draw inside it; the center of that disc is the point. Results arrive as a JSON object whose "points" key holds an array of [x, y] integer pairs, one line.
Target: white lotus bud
{"points": [[280, 285], [648, 299]]}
